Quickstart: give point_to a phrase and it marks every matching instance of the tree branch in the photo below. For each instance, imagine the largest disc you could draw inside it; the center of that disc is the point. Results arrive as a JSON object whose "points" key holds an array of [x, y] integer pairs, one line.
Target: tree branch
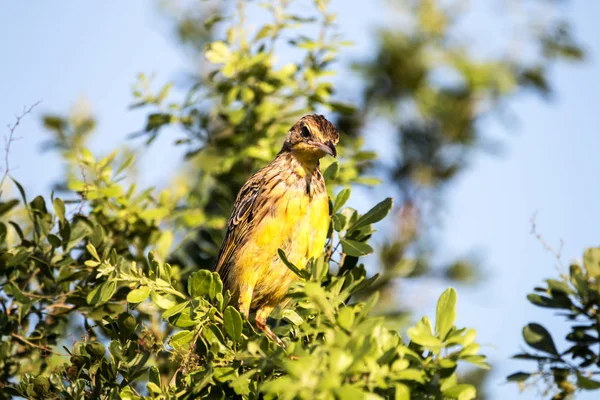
{"points": [[11, 138]]}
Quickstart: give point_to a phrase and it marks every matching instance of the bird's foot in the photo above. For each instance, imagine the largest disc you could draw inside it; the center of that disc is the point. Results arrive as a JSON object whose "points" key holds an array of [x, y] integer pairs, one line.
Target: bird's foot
{"points": [[262, 325]]}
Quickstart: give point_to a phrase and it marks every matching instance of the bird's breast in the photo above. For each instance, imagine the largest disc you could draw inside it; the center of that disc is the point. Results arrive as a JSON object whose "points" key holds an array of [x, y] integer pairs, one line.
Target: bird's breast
{"points": [[297, 223]]}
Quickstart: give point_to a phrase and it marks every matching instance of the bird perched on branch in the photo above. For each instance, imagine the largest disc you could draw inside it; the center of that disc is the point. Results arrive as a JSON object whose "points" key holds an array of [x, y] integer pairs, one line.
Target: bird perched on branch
{"points": [[282, 206]]}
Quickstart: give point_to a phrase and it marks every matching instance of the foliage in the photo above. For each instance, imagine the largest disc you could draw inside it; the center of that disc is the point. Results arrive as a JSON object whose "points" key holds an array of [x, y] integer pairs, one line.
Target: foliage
{"points": [[437, 93], [576, 296], [60, 269]]}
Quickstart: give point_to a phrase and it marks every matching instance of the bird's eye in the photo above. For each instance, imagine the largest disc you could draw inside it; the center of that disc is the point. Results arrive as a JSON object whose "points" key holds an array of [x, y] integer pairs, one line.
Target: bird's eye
{"points": [[305, 132]]}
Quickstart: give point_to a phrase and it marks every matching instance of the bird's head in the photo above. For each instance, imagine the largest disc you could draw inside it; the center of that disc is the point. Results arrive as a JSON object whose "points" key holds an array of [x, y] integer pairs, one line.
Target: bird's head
{"points": [[312, 137]]}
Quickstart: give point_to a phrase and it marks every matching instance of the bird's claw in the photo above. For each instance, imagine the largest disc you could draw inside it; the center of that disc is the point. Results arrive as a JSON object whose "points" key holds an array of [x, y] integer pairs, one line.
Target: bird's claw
{"points": [[262, 325]]}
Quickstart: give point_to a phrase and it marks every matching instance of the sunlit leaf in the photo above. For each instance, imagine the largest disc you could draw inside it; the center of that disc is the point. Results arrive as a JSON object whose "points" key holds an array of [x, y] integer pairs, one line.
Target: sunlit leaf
{"points": [[355, 248], [233, 323], [445, 313], [374, 215], [138, 295]]}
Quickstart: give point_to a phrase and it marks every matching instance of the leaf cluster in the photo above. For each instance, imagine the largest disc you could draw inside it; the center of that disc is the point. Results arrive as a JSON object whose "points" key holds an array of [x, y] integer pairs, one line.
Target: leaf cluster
{"points": [[142, 330], [575, 297]]}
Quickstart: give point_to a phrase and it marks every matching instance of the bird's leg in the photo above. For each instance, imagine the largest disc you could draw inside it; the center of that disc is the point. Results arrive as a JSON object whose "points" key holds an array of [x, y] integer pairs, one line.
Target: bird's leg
{"points": [[261, 323], [245, 299]]}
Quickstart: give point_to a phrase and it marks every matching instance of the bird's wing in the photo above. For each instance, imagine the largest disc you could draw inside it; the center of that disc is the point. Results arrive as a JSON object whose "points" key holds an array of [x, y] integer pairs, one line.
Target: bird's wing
{"points": [[241, 222]]}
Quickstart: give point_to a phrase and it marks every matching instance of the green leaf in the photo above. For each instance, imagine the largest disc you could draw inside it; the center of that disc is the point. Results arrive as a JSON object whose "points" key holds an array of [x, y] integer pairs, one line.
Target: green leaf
{"points": [[331, 171], [204, 283], [18, 258], [164, 92], [92, 250], [339, 222], [112, 191], [318, 296], [369, 304], [224, 374], [181, 338], [411, 374], [591, 261], [341, 199], [518, 377], [59, 209], [13, 290], [539, 338], [39, 204], [22, 191], [578, 280], [559, 286], [350, 392], [154, 375], [463, 337], [233, 323], [242, 384], [154, 214], [367, 180], [153, 388], [374, 215], [87, 156], [586, 383], [346, 318], [292, 317], [138, 295], [54, 241], [126, 164], [526, 356], [102, 293], [461, 392], [445, 313], [560, 301], [446, 363], [318, 268], [175, 310], [401, 392], [449, 382], [163, 302], [265, 31], [127, 394], [355, 248], [217, 53], [300, 272], [477, 360], [421, 334], [7, 206], [342, 108]]}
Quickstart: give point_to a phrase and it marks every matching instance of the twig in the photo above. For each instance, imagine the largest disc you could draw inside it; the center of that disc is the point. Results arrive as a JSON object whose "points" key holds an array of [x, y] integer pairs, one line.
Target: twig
{"points": [[173, 379], [24, 340], [85, 188], [11, 138], [540, 238]]}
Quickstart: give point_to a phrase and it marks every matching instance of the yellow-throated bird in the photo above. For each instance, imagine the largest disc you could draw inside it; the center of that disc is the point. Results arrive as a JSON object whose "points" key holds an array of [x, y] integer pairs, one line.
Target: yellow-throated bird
{"points": [[283, 206]]}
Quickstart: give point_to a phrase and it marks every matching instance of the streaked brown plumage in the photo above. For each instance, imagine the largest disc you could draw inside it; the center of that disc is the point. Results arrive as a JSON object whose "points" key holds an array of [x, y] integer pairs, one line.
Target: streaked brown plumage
{"points": [[284, 205]]}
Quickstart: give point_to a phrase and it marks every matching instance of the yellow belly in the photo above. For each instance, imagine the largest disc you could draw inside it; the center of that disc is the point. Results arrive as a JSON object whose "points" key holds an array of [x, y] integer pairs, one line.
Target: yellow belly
{"points": [[298, 227]]}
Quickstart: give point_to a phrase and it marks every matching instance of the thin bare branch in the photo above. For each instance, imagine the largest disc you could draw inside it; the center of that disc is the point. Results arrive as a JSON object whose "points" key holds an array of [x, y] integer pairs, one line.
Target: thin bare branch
{"points": [[557, 253], [30, 343], [8, 140]]}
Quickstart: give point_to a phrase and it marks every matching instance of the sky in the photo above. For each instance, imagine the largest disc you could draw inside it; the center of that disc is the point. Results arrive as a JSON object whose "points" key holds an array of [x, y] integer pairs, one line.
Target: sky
{"points": [[60, 52]]}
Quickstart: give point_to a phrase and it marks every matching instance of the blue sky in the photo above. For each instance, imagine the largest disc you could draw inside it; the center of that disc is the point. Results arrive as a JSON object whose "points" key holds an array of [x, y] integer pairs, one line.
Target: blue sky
{"points": [[61, 51]]}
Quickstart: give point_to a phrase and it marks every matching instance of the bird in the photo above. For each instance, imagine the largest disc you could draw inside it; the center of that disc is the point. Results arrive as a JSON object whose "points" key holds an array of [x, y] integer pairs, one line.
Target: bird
{"points": [[283, 206]]}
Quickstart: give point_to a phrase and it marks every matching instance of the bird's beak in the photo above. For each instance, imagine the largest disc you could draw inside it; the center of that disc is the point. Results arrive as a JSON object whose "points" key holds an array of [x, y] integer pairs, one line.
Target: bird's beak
{"points": [[328, 148]]}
